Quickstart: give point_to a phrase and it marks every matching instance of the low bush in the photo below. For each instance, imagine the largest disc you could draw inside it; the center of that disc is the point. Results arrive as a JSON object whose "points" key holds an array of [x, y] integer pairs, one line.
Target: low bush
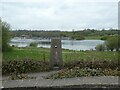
{"points": [[20, 76], [24, 66], [70, 69], [75, 72], [86, 68], [103, 64], [100, 47], [104, 37], [33, 44]]}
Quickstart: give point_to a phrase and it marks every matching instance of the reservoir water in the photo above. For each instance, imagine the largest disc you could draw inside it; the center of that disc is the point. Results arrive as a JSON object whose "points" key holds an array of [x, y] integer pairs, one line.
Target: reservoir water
{"points": [[66, 44]]}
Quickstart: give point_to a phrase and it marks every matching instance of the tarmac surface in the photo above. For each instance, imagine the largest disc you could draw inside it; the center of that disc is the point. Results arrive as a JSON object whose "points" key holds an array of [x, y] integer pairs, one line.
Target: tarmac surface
{"points": [[40, 81]]}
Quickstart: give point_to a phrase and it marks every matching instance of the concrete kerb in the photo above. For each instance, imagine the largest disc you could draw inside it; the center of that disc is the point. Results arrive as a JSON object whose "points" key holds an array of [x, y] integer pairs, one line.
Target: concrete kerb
{"points": [[66, 82]]}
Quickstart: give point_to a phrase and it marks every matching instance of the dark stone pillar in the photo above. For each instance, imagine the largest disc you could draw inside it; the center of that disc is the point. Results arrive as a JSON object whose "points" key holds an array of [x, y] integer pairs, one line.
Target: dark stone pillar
{"points": [[56, 54]]}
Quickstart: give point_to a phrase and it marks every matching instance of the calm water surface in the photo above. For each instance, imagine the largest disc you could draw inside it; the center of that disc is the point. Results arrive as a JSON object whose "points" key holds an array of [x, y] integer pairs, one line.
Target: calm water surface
{"points": [[66, 44]]}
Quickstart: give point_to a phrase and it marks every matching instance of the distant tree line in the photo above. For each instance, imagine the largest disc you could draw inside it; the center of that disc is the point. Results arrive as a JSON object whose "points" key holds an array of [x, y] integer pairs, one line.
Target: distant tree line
{"points": [[78, 35]]}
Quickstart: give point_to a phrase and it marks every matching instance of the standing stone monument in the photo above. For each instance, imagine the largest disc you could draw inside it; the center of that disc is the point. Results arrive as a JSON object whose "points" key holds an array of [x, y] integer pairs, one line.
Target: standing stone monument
{"points": [[56, 54]]}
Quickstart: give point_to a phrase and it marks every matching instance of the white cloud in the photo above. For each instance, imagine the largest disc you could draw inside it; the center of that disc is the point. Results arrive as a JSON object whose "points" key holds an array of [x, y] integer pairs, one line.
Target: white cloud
{"points": [[52, 1], [60, 14]]}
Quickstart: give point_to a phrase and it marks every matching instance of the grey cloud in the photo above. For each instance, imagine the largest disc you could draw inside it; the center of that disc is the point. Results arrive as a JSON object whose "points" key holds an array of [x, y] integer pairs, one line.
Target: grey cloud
{"points": [[62, 15]]}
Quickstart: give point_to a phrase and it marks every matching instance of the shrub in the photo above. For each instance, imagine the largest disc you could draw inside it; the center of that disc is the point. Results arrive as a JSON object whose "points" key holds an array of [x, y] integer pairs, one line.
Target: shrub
{"points": [[87, 68], [75, 72], [20, 76], [33, 44], [92, 64], [113, 43], [100, 47], [104, 38], [5, 36], [23, 66]]}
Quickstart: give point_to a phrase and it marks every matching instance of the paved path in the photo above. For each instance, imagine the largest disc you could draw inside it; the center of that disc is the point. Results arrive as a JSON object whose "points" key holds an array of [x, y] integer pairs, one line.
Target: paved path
{"points": [[42, 82]]}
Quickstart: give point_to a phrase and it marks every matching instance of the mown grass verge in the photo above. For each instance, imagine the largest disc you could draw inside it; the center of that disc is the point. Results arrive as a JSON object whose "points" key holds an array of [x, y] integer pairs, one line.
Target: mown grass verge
{"points": [[43, 54]]}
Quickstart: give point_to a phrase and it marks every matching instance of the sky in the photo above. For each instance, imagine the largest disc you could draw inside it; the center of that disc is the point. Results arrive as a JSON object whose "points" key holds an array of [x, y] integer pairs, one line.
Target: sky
{"points": [[62, 15]]}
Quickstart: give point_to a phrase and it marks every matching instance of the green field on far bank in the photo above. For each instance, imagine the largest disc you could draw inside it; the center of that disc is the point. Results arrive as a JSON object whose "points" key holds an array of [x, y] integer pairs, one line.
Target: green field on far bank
{"points": [[93, 37], [43, 54]]}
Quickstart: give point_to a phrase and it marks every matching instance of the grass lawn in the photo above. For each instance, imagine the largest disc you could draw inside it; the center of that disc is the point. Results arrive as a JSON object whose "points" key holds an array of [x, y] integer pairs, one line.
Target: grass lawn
{"points": [[68, 55]]}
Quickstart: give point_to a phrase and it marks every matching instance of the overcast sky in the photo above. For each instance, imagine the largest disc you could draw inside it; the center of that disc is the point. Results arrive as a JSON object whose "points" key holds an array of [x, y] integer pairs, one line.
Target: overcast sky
{"points": [[60, 14]]}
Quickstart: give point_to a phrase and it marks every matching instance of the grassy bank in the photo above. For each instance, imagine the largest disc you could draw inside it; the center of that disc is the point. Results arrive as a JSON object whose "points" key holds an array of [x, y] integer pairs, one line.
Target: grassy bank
{"points": [[43, 54], [27, 53]]}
